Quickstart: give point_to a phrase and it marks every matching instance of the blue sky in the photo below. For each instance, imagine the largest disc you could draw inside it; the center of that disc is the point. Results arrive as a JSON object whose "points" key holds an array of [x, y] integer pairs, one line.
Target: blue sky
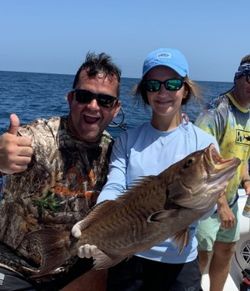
{"points": [[53, 36]]}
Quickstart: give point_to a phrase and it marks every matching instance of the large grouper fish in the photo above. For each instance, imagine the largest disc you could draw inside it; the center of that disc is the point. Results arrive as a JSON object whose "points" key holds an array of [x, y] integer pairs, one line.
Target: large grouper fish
{"points": [[153, 209]]}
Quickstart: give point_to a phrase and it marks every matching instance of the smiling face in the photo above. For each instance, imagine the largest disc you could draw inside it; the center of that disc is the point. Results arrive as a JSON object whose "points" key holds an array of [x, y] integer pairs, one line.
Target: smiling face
{"points": [[88, 120], [166, 105]]}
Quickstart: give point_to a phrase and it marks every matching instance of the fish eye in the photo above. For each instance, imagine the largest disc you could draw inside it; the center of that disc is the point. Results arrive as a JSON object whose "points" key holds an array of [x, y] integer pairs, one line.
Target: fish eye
{"points": [[188, 163]]}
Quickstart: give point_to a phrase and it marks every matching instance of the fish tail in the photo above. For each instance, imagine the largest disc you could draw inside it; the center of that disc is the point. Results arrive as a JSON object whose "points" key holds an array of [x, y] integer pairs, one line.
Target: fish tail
{"points": [[54, 248]]}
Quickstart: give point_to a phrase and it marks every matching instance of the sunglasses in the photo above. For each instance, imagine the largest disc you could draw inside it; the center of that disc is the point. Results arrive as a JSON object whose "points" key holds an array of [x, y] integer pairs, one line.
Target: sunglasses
{"points": [[103, 100], [170, 85], [245, 73]]}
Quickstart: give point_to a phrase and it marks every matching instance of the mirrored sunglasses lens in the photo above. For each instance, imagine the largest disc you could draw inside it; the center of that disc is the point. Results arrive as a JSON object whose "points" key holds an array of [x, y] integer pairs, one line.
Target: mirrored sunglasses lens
{"points": [[152, 85], [173, 84]]}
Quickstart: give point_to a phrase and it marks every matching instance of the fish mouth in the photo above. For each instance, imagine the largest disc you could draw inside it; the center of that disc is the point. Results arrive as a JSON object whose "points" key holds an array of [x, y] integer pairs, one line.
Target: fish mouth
{"points": [[219, 172], [213, 177], [219, 168]]}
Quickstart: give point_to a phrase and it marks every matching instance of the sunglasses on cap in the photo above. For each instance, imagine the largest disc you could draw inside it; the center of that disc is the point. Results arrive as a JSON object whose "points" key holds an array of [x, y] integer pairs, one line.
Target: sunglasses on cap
{"points": [[170, 85], [103, 100]]}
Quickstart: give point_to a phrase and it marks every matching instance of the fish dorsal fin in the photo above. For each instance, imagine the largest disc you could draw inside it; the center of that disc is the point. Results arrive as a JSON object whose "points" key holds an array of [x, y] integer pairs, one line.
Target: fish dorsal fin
{"points": [[53, 248], [138, 183], [141, 181], [181, 239], [98, 212]]}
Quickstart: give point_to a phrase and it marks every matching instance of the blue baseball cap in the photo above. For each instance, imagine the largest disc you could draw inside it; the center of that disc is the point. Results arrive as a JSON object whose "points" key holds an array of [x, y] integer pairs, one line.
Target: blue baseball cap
{"points": [[168, 57]]}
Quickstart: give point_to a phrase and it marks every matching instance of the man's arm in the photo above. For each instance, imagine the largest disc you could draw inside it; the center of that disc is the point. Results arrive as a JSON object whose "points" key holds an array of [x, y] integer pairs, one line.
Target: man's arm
{"points": [[15, 151], [225, 213], [246, 178]]}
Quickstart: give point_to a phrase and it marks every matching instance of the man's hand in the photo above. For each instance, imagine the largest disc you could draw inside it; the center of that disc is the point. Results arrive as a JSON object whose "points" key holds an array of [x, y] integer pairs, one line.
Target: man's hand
{"points": [[246, 185], [15, 151], [226, 215]]}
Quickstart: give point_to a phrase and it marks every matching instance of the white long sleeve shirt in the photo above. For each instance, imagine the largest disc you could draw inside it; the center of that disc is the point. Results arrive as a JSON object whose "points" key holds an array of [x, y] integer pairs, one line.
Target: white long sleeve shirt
{"points": [[144, 151]]}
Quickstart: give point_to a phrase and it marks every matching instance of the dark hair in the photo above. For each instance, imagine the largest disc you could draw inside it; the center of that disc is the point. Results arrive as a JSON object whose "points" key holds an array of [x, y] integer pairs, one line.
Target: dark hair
{"points": [[96, 63], [192, 90]]}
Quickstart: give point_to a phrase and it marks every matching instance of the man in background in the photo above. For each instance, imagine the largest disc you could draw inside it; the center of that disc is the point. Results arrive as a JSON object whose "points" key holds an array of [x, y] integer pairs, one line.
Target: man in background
{"points": [[228, 120], [55, 170]]}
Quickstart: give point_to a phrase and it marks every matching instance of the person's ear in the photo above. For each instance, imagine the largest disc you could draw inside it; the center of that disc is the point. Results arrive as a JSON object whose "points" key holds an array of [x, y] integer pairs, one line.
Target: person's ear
{"points": [[70, 97], [117, 108], [185, 94]]}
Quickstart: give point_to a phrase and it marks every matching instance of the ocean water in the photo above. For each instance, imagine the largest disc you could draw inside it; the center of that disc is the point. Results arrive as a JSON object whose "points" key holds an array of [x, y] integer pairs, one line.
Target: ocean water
{"points": [[33, 95]]}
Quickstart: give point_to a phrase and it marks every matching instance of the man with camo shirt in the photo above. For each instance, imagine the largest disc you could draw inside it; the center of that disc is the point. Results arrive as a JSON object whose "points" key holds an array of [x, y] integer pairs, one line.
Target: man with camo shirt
{"points": [[55, 170]]}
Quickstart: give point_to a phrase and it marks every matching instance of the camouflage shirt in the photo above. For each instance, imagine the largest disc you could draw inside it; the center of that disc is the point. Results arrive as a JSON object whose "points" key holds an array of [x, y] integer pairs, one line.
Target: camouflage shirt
{"points": [[59, 187]]}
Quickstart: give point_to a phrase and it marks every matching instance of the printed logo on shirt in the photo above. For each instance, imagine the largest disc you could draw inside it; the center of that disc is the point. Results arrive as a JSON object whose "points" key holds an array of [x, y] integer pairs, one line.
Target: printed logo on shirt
{"points": [[242, 137]]}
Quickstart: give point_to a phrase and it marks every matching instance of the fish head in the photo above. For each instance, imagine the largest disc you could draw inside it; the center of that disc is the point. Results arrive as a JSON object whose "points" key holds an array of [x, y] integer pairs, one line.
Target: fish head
{"points": [[199, 179]]}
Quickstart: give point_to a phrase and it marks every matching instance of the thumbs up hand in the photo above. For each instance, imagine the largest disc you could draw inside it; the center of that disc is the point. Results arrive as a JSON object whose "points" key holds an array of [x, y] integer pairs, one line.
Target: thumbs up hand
{"points": [[14, 124], [15, 151]]}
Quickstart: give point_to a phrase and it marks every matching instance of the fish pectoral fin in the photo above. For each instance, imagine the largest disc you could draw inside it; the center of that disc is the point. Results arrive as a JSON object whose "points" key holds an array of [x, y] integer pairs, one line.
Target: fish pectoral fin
{"points": [[51, 244], [181, 239], [104, 261], [161, 216]]}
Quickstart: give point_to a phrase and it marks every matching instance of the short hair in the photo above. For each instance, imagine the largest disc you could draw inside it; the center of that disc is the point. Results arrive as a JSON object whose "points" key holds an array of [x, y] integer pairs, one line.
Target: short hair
{"points": [[98, 63], [245, 59]]}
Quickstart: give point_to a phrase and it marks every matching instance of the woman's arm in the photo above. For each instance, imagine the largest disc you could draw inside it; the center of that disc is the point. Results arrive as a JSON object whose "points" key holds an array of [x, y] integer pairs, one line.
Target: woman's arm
{"points": [[116, 181]]}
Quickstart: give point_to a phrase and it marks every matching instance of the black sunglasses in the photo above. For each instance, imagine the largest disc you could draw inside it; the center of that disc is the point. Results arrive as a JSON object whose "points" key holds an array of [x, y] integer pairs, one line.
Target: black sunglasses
{"points": [[170, 85], [103, 100], [246, 74]]}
